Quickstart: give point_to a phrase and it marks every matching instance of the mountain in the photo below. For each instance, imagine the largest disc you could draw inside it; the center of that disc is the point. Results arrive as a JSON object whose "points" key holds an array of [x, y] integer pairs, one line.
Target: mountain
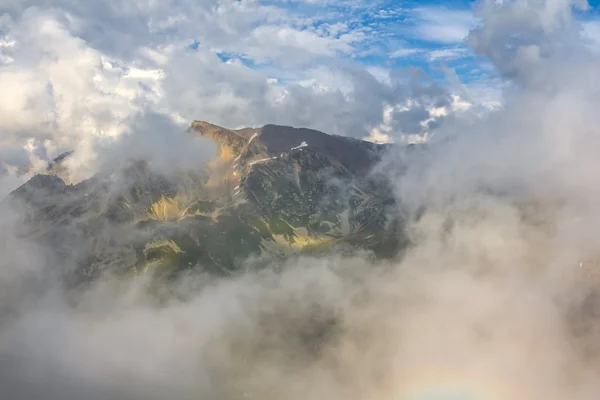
{"points": [[249, 144], [271, 193]]}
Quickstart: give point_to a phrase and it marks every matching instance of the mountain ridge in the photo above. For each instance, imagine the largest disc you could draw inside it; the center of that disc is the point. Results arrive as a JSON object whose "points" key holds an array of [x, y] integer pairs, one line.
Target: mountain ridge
{"points": [[272, 192], [271, 140]]}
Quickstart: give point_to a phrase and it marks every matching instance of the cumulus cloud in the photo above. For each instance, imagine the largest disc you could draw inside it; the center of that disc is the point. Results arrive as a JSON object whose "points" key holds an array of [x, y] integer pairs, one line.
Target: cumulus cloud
{"points": [[62, 93], [78, 74], [543, 35]]}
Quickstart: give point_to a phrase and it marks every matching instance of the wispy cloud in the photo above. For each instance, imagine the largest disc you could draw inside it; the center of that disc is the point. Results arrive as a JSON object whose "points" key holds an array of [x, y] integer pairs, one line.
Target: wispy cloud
{"points": [[591, 31], [442, 25], [400, 53], [448, 53], [437, 54]]}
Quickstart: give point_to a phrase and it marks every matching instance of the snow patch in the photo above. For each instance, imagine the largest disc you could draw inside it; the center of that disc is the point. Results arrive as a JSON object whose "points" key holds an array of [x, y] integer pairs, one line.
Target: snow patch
{"points": [[252, 138], [257, 161], [303, 144]]}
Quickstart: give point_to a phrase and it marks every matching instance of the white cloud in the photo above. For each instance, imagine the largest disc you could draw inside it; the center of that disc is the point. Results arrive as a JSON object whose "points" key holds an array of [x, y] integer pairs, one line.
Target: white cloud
{"points": [[591, 32], [447, 54], [543, 36], [285, 45], [76, 74], [381, 74], [401, 53], [337, 28], [442, 25]]}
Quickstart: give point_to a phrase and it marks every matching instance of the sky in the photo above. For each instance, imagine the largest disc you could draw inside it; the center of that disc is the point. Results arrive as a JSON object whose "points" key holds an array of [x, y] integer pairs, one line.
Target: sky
{"points": [[74, 73]]}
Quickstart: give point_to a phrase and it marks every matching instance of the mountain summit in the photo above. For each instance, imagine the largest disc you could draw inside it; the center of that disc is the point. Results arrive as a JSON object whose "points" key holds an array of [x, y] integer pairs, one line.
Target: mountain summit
{"points": [[272, 192], [355, 155]]}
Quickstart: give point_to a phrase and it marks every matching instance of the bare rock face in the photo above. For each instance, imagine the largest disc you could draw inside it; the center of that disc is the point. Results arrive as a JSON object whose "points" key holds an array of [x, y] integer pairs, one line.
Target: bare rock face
{"points": [[230, 143], [288, 191]]}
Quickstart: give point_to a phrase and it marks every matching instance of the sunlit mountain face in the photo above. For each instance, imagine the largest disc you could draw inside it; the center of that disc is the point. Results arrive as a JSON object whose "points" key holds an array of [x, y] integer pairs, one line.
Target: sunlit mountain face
{"points": [[299, 200]]}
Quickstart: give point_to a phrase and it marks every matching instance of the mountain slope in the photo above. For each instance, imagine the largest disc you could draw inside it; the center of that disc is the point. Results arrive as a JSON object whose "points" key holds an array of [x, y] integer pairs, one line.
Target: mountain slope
{"points": [[272, 192]]}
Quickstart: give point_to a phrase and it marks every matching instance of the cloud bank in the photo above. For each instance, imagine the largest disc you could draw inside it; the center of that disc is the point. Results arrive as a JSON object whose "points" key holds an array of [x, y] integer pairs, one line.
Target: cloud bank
{"points": [[76, 75]]}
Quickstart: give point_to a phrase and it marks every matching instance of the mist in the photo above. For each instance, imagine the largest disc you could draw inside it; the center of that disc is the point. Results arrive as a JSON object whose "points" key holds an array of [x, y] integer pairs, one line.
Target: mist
{"points": [[495, 298]]}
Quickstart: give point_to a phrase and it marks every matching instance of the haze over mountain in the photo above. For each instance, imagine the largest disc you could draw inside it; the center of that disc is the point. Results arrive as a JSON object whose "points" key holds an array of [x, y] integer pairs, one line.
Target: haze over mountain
{"points": [[271, 191]]}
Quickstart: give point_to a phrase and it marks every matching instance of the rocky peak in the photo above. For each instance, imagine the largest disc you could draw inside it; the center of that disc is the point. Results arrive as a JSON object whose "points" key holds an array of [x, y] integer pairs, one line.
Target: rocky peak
{"points": [[41, 186], [251, 144], [230, 143]]}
